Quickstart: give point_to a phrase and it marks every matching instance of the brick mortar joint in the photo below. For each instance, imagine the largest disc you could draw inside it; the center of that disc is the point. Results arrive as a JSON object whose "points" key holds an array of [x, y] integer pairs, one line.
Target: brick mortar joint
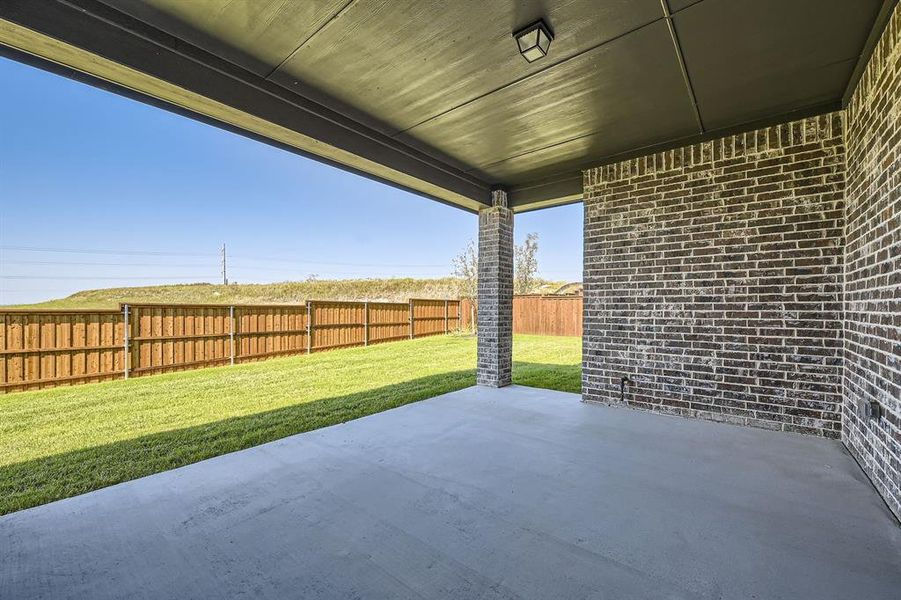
{"points": [[855, 153], [826, 130], [496, 210]]}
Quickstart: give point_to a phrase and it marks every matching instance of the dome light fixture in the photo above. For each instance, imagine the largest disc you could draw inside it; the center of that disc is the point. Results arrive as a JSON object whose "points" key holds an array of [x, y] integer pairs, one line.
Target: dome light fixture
{"points": [[534, 40]]}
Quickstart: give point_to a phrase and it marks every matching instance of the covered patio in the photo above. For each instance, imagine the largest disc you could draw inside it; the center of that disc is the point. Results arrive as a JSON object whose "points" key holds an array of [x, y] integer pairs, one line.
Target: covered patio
{"points": [[739, 168], [482, 493]]}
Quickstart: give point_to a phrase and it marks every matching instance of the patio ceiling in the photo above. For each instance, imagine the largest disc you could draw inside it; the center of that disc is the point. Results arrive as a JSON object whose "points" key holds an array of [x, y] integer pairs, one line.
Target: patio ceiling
{"points": [[433, 96]]}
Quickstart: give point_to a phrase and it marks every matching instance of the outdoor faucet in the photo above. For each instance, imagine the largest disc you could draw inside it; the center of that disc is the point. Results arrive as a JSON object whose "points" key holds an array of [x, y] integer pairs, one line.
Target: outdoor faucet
{"points": [[622, 387]]}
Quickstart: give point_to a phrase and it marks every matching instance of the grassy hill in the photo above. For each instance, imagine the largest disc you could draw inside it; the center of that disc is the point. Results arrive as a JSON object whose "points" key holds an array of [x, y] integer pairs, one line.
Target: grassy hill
{"points": [[288, 292]]}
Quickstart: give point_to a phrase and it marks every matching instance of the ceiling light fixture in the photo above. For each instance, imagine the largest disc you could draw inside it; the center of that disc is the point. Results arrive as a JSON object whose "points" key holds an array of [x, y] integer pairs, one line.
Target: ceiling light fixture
{"points": [[534, 40]]}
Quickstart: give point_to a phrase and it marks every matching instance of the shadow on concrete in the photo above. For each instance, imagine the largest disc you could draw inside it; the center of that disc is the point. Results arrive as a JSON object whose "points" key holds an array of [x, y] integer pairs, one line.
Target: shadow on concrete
{"points": [[42, 480], [50, 478]]}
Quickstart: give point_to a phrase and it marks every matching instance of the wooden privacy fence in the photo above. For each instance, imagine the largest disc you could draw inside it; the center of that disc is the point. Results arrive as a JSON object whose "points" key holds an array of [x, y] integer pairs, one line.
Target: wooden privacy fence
{"points": [[40, 349], [539, 315]]}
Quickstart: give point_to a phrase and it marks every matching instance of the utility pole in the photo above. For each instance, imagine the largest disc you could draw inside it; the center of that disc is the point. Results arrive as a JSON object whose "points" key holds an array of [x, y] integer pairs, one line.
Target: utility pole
{"points": [[224, 276]]}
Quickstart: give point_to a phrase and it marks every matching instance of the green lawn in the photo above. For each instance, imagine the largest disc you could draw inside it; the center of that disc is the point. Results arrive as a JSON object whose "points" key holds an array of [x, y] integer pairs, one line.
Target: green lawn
{"points": [[66, 441]]}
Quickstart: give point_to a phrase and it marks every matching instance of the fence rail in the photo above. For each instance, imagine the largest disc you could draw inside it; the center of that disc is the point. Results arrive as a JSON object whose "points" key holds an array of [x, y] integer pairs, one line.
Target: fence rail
{"points": [[40, 349], [539, 315]]}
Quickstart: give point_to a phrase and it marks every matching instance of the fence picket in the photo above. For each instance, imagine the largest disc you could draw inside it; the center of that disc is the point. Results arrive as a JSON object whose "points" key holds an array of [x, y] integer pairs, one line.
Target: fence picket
{"points": [[40, 349], [539, 315]]}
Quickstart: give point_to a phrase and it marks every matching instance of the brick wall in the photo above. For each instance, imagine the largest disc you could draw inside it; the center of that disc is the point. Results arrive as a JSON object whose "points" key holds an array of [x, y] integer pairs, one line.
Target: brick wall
{"points": [[495, 315], [713, 279], [873, 267]]}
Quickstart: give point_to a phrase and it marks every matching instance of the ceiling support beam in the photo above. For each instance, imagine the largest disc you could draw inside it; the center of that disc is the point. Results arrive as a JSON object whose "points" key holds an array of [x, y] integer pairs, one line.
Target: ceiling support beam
{"points": [[524, 78], [118, 51], [556, 192], [882, 19], [90, 41], [667, 14], [322, 28], [567, 189]]}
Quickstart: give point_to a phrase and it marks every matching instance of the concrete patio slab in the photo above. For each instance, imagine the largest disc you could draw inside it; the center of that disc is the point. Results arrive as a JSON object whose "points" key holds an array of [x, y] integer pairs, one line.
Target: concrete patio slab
{"points": [[482, 493]]}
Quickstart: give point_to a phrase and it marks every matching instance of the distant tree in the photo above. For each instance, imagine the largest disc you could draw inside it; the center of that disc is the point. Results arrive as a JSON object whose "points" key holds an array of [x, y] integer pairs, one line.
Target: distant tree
{"points": [[525, 267], [466, 271]]}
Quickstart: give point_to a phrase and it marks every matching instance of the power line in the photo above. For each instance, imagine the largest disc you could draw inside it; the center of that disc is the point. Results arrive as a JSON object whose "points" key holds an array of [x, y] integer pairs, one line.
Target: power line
{"points": [[232, 265], [20, 290], [98, 264], [219, 254], [197, 278], [288, 270], [169, 264], [244, 270], [87, 251], [339, 264], [321, 273]]}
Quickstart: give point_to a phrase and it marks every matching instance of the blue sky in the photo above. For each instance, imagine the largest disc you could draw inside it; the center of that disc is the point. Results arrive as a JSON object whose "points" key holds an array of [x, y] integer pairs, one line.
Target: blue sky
{"points": [[156, 194]]}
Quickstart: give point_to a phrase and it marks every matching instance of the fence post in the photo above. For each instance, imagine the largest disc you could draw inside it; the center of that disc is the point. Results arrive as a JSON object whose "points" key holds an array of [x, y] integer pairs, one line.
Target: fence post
{"points": [[411, 318], [231, 333], [445, 317], [126, 348], [366, 323], [309, 327]]}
